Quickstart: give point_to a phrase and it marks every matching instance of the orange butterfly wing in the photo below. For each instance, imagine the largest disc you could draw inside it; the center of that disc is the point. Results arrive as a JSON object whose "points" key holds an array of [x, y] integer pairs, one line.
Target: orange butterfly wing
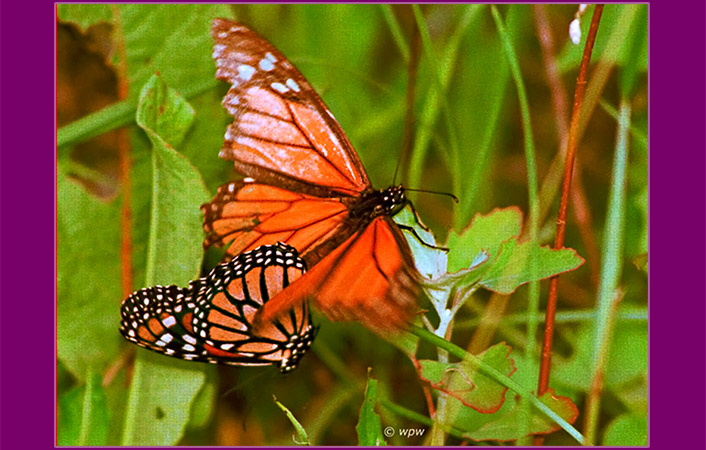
{"points": [[283, 133], [305, 178], [366, 279], [244, 215]]}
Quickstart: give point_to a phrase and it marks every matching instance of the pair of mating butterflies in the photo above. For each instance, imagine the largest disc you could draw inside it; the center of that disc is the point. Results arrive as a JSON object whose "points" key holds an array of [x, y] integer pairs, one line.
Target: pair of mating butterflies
{"points": [[306, 202]]}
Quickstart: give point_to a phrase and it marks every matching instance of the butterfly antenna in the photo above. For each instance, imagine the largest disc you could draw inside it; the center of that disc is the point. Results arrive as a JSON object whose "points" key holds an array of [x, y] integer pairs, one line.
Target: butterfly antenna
{"points": [[397, 168], [448, 194]]}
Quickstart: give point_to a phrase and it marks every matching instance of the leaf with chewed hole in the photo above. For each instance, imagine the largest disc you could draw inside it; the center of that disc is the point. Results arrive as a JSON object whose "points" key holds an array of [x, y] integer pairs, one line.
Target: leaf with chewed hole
{"points": [[464, 381]]}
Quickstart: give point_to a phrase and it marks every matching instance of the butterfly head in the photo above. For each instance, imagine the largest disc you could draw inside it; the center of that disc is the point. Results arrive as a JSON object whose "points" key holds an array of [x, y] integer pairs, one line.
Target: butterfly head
{"points": [[388, 201]]}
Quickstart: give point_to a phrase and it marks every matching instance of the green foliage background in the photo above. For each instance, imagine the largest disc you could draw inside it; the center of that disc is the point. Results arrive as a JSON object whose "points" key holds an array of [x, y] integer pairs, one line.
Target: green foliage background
{"points": [[468, 139]]}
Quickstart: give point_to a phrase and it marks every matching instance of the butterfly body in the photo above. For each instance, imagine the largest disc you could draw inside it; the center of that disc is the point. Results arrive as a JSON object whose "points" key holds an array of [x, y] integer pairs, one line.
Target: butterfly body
{"points": [[307, 187]]}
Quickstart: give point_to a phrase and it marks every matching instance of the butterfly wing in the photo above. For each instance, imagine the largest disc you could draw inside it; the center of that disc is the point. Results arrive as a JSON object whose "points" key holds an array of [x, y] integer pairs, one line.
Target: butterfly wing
{"points": [[244, 215], [282, 132], [369, 278], [211, 320]]}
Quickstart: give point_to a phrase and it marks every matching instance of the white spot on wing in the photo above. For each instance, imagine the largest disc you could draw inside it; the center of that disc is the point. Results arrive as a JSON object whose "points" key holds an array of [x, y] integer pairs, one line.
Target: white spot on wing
{"points": [[271, 57], [169, 321], [190, 339], [279, 87], [246, 72], [292, 85], [266, 65], [218, 50]]}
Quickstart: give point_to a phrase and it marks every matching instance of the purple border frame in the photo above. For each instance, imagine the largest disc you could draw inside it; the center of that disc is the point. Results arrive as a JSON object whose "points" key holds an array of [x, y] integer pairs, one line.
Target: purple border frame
{"points": [[27, 180]]}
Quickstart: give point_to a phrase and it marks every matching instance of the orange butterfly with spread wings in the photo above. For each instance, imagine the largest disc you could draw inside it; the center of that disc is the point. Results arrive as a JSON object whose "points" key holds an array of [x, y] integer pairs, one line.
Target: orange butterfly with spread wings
{"points": [[306, 187]]}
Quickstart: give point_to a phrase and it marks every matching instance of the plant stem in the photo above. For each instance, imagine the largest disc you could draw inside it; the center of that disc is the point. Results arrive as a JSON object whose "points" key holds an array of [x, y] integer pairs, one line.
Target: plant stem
{"points": [[545, 365]]}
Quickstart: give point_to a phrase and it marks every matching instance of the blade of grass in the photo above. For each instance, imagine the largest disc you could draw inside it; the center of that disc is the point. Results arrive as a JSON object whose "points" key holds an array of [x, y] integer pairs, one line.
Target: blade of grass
{"points": [[611, 267], [532, 193], [639, 315], [436, 102], [396, 31]]}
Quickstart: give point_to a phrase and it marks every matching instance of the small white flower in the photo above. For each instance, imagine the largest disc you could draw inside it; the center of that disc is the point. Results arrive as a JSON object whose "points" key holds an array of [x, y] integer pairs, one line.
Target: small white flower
{"points": [[575, 31]]}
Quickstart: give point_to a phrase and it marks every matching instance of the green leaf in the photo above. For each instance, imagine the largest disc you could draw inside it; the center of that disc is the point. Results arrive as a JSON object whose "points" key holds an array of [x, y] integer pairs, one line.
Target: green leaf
{"points": [[627, 430], [302, 436], [84, 15], [487, 232], [463, 381], [161, 396], [174, 252], [203, 406], [369, 426], [83, 415], [518, 264], [627, 360], [88, 278], [173, 40], [163, 113], [507, 427], [163, 389]]}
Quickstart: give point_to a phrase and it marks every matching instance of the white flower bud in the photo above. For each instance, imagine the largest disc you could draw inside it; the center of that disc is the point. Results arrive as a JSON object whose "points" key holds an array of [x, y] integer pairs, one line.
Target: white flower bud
{"points": [[575, 31]]}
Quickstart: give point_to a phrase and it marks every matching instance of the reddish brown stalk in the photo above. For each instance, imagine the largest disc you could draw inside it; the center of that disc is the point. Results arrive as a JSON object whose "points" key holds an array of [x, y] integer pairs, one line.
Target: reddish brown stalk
{"points": [[545, 364], [556, 85], [124, 156]]}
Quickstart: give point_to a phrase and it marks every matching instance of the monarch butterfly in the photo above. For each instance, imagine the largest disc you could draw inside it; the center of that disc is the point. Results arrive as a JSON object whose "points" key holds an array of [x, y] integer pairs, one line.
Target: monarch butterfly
{"points": [[211, 320], [305, 186]]}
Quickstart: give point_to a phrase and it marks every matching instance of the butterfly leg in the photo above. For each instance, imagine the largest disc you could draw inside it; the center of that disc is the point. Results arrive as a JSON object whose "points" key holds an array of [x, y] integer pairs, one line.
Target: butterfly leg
{"points": [[421, 241], [416, 216]]}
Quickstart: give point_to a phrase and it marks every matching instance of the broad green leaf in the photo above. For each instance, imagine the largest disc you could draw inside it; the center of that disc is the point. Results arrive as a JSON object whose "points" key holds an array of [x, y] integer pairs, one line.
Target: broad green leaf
{"points": [[463, 381], [302, 436], [173, 40], [203, 406], [627, 430], [88, 278], [175, 251], [487, 232], [163, 389], [163, 113], [369, 426], [518, 264], [83, 415], [507, 427], [85, 15], [160, 399]]}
